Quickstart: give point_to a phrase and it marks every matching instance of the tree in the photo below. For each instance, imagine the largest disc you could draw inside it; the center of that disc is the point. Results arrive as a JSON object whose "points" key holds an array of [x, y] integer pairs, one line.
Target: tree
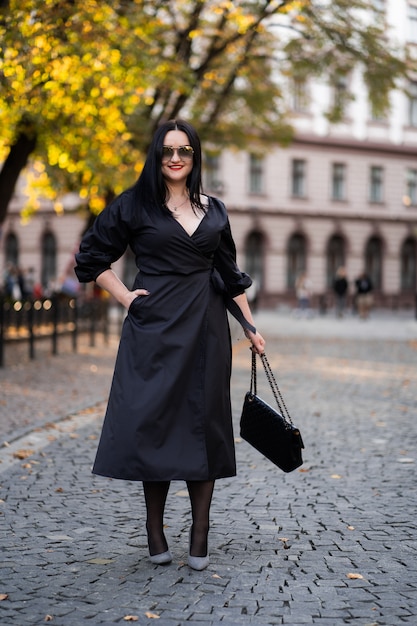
{"points": [[84, 83]]}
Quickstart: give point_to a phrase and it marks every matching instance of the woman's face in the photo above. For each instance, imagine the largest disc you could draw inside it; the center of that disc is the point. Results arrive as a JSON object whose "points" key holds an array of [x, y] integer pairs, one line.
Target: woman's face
{"points": [[177, 164]]}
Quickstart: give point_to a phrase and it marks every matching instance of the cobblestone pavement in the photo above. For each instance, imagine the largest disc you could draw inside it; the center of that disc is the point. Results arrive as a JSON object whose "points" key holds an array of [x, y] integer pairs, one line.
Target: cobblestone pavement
{"points": [[332, 543]]}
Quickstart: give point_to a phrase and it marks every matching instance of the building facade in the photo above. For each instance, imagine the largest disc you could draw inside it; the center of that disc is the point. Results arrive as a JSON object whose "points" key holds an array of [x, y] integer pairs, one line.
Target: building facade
{"points": [[342, 194]]}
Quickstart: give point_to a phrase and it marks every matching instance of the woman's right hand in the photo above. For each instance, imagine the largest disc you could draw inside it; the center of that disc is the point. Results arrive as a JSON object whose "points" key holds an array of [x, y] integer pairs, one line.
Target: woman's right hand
{"points": [[132, 295]]}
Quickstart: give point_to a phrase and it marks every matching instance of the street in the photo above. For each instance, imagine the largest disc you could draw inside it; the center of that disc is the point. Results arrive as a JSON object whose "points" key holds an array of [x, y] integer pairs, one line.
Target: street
{"points": [[332, 543]]}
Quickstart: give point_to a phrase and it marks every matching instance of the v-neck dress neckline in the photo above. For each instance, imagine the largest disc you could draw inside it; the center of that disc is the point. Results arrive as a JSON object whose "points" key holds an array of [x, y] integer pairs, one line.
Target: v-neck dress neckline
{"points": [[190, 235]]}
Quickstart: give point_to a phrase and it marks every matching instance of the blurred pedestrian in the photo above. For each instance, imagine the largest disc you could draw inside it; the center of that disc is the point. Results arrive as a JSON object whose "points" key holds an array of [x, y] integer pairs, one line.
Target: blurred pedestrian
{"points": [[304, 291], [340, 288], [364, 297], [169, 414], [12, 282]]}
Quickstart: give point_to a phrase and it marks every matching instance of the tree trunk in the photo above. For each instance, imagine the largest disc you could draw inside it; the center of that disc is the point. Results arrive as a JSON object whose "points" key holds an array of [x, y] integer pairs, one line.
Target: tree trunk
{"points": [[15, 162]]}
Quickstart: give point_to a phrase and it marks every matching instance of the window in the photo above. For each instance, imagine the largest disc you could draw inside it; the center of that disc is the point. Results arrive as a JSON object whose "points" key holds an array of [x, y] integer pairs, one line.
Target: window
{"points": [[48, 271], [412, 104], [338, 181], [254, 265], [412, 23], [408, 265], [373, 261], [212, 173], [376, 190], [299, 95], [11, 250], [296, 258], [298, 182], [256, 171], [341, 96], [335, 257], [377, 114], [410, 198]]}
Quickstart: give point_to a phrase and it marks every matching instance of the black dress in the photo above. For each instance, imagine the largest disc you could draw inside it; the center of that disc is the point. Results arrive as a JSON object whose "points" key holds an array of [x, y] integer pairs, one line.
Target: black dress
{"points": [[169, 412]]}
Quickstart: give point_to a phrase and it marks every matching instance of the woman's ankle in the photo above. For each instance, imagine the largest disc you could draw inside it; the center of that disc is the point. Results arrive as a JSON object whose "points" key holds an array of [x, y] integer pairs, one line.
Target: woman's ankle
{"points": [[199, 540], [157, 542]]}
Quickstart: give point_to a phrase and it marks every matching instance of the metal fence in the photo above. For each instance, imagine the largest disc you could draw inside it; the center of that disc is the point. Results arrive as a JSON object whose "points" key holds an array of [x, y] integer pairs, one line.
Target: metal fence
{"points": [[30, 321]]}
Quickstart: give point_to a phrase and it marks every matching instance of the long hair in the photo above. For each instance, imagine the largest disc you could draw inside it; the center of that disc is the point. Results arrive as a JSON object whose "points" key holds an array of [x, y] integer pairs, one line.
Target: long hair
{"points": [[150, 187]]}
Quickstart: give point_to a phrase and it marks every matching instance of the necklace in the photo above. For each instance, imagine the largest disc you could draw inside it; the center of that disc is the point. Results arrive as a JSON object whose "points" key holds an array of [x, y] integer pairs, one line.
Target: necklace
{"points": [[174, 209]]}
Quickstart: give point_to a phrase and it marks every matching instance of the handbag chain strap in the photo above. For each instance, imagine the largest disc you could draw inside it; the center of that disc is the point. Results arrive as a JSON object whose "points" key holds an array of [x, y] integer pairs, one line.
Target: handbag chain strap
{"points": [[272, 383]]}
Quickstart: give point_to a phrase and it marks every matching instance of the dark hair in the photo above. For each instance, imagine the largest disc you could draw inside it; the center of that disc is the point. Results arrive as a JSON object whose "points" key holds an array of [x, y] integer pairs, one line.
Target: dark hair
{"points": [[151, 184]]}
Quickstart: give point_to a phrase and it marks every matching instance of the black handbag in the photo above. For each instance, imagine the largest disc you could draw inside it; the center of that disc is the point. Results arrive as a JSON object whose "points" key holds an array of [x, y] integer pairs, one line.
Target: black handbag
{"points": [[271, 432]]}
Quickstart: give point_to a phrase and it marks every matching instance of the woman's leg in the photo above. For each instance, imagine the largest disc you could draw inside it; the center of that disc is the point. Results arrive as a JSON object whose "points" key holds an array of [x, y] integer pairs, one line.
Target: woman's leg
{"points": [[201, 493], [155, 498]]}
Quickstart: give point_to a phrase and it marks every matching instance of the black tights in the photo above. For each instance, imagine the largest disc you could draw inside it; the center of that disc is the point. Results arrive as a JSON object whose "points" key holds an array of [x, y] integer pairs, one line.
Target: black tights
{"points": [[200, 492]]}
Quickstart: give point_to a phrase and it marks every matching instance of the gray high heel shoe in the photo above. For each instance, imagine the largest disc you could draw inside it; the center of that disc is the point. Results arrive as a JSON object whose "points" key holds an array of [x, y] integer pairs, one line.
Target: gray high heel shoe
{"points": [[197, 562], [161, 559]]}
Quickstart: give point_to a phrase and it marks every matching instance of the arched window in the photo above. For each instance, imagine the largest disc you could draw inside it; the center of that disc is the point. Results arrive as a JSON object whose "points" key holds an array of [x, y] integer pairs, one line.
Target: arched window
{"points": [[408, 265], [373, 261], [11, 250], [254, 265], [296, 258], [48, 270], [254, 256], [335, 257]]}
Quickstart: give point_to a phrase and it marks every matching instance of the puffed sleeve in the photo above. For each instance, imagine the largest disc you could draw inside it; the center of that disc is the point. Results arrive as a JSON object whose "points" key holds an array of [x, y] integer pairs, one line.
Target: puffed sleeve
{"points": [[106, 240], [235, 281]]}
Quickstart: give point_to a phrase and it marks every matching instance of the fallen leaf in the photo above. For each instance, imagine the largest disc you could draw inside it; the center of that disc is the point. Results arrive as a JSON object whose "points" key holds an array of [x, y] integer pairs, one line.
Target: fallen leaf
{"points": [[131, 618], [216, 576], [152, 615], [22, 454], [183, 493], [351, 528], [354, 576], [59, 490], [48, 618], [3, 596], [336, 476]]}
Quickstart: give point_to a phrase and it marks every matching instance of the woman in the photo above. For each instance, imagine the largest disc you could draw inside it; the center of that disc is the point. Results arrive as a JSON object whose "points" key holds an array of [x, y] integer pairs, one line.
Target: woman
{"points": [[168, 415]]}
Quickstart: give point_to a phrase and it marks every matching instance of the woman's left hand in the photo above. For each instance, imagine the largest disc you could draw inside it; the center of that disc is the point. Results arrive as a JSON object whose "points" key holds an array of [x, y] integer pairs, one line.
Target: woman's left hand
{"points": [[257, 341]]}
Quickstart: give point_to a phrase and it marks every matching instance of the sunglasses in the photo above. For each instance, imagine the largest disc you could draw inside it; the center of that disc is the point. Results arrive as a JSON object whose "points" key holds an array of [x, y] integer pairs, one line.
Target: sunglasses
{"points": [[184, 152]]}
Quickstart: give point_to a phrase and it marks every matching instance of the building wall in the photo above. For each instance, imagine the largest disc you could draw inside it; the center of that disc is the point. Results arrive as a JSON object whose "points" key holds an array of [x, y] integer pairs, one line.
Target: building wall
{"points": [[66, 229], [278, 215]]}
